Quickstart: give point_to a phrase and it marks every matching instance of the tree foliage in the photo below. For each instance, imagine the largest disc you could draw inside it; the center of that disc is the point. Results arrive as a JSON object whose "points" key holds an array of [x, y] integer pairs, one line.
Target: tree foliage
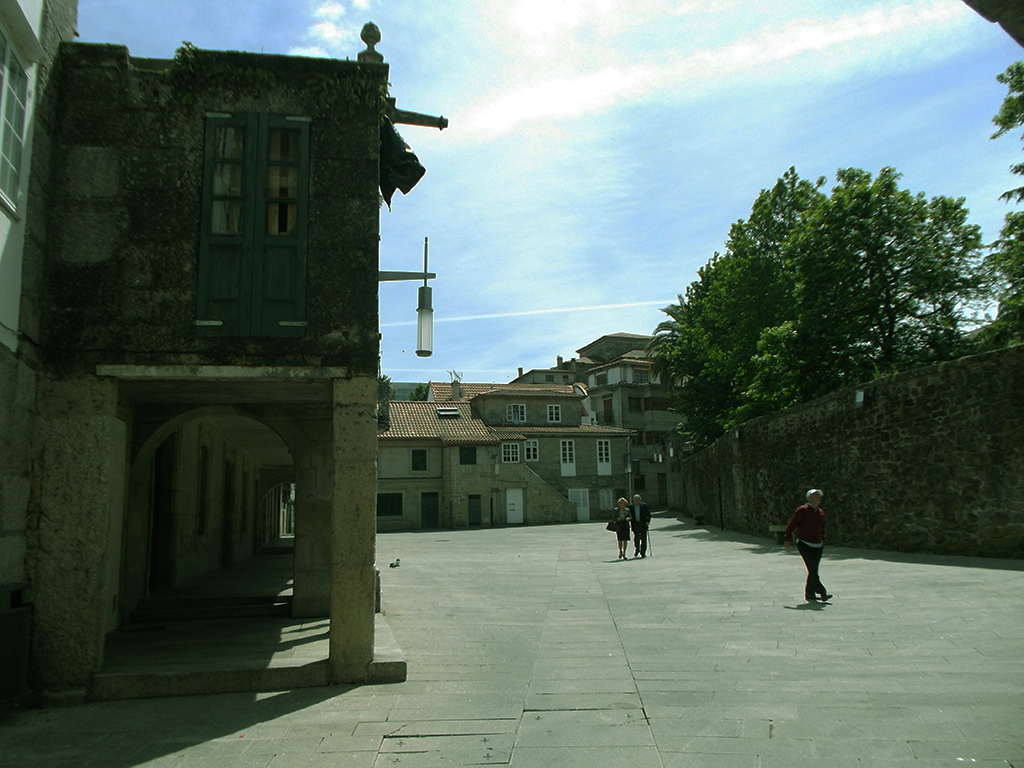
{"points": [[816, 292], [419, 393], [1006, 261]]}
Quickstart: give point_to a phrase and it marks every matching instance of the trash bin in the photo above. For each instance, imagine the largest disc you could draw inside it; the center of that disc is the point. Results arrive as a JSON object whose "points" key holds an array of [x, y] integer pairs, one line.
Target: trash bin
{"points": [[15, 628]]}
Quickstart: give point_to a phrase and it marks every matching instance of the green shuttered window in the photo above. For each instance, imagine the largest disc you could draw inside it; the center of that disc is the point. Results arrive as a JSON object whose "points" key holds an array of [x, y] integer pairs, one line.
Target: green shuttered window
{"points": [[252, 252]]}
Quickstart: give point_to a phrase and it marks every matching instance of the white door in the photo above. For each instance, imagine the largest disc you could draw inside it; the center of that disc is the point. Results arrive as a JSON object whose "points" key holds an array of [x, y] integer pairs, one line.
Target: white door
{"points": [[581, 498], [514, 506]]}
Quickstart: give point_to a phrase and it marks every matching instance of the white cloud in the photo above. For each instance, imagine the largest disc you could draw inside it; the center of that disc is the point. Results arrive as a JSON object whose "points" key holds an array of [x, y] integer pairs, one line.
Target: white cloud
{"points": [[800, 49], [330, 11]]}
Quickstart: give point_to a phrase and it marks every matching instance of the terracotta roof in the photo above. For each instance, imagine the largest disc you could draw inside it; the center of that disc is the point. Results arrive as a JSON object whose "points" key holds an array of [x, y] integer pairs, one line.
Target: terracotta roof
{"points": [[422, 421], [533, 390], [442, 391], [584, 430]]}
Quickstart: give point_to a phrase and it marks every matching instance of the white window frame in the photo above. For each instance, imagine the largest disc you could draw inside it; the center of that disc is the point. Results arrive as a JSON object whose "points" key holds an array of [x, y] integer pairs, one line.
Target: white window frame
{"points": [[510, 453], [604, 457], [554, 414], [531, 450], [12, 135], [567, 453], [515, 408], [605, 498]]}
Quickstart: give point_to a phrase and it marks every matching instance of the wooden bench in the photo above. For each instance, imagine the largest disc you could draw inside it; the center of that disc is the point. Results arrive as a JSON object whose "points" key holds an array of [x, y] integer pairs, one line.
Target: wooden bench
{"points": [[779, 531]]}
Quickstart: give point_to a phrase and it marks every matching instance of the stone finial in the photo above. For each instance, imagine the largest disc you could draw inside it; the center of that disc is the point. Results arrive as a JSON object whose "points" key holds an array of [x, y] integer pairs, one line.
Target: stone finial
{"points": [[371, 36]]}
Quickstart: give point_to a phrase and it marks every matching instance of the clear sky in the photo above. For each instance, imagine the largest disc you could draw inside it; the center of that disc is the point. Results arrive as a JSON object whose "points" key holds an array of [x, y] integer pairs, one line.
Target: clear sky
{"points": [[600, 149]]}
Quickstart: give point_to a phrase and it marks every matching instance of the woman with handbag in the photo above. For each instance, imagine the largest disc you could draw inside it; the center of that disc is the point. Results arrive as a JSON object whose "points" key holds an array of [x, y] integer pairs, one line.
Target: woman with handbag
{"points": [[621, 527]]}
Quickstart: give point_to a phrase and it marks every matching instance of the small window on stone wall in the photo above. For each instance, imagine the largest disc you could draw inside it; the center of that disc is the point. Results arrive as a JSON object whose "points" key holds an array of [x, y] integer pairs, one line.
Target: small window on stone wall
{"points": [[389, 505], [419, 460]]}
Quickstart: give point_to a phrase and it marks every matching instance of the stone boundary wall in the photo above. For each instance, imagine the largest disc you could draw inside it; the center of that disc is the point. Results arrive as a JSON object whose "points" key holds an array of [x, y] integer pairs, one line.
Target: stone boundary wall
{"points": [[931, 461]]}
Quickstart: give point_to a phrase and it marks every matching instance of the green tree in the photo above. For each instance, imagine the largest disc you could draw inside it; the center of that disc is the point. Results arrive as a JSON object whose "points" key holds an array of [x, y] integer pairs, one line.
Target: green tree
{"points": [[885, 281], [420, 393], [814, 293], [1006, 260], [712, 334]]}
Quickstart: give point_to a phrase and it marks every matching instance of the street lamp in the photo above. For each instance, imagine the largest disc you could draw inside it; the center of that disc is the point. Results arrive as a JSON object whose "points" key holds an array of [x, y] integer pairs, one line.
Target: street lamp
{"points": [[424, 308], [424, 314]]}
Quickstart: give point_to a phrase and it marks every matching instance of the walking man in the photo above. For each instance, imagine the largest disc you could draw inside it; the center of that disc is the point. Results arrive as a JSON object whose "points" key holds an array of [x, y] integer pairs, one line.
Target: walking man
{"points": [[639, 521], [808, 522]]}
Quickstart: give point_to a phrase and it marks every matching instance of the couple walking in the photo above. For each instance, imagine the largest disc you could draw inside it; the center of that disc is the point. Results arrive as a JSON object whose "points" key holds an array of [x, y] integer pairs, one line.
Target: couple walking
{"points": [[635, 517]]}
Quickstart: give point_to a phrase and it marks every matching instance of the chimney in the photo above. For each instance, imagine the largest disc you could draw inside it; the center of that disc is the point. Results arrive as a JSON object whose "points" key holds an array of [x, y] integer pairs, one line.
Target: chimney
{"points": [[456, 390], [520, 372], [559, 358]]}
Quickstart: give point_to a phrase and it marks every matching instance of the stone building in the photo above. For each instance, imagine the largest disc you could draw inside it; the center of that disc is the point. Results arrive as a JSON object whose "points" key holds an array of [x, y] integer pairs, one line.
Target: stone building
{"points": [[495, 455], [29, 36], [623, 392], [199, 325]]}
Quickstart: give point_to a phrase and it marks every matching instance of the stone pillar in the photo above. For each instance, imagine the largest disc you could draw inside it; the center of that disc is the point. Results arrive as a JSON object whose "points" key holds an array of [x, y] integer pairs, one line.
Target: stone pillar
{"points": [[355, 528], [74, 552], [314, 512]]}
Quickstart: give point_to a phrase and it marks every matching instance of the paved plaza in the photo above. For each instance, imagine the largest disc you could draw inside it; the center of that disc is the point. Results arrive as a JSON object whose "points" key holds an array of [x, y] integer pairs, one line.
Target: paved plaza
{"points": [[537, 648]]}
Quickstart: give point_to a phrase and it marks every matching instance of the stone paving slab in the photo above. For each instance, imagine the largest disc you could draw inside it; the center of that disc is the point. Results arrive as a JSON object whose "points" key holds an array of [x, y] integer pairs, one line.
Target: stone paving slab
{"points": [[537, 647]]}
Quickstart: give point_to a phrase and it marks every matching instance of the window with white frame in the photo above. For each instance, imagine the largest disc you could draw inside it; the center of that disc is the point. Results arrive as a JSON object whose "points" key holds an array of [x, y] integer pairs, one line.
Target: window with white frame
{"points": [[515, 412], [532, 450], [568, 452], [604, 457], [14, 85], [554, 414], [510, 453], [604, 498]]}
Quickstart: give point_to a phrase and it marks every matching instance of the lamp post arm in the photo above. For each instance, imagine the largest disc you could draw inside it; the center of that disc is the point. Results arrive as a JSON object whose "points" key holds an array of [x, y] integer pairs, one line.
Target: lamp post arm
{"points": [[385, 276]]}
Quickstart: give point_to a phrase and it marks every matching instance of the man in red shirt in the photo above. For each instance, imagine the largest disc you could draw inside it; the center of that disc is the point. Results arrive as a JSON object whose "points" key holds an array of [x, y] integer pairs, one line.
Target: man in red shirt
{"points": [[809, 524]]}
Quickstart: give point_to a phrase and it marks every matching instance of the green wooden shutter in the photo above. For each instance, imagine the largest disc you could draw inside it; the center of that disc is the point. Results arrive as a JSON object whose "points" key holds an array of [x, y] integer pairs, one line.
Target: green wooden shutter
{"points": [[252, 252], [282, 197]]}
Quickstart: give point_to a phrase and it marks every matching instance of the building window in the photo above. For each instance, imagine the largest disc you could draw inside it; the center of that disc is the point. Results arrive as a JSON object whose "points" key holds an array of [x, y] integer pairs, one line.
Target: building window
{"points": [[549, 377], [252, 249], [515, 412], [532, 450], [641, 377], [568, 453], [601, 379], [419, 459], [467, 454], [510, 453], [604, 457], [636, 404], [389, 505], [605, 498], [554, 414], [14, 81]]}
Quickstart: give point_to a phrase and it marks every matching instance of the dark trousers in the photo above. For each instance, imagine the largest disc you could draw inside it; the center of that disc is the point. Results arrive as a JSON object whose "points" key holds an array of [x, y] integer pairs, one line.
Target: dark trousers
{"points": [[812, 558], [640, 538]]}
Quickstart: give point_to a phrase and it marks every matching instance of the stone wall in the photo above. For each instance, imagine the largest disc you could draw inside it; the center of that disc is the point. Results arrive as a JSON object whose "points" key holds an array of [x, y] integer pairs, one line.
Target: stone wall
{"points": [[124, 206], [930, 461]]}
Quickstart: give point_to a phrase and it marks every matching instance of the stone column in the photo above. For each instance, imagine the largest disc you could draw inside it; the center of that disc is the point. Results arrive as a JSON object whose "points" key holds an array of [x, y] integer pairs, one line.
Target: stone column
{"points": [[78, 508], [314, 513], [354, 529]]}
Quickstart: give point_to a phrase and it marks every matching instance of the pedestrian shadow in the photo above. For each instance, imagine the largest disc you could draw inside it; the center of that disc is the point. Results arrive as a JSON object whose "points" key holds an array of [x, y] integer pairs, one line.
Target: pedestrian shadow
{"points": [[807, 607]]}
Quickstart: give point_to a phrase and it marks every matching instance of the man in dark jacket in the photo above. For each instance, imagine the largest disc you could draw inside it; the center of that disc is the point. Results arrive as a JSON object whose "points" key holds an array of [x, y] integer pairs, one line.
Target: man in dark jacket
{"points": [[808, 522], [639, 521]]}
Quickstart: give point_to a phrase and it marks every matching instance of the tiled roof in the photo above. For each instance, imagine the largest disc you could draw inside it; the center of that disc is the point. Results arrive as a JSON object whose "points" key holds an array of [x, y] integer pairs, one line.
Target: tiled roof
{"points": [[421, 421], [584, 430], [443, 390], [534, 390]]}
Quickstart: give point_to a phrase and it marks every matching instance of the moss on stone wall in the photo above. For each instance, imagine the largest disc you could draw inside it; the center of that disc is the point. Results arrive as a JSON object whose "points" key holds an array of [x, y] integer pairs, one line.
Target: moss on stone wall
{"points": [[124, 193]]}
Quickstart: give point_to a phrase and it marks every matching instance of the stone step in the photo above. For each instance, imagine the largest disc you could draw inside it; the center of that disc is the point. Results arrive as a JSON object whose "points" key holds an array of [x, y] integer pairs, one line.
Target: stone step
{"points": [[184, 609]]}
